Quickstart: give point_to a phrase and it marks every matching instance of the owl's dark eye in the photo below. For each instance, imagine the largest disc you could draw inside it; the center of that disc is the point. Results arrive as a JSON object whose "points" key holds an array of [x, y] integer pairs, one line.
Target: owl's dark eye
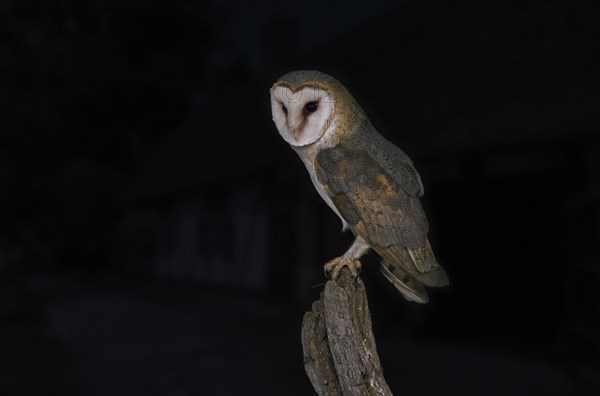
{"points": [[283, 108], [310, 107]]}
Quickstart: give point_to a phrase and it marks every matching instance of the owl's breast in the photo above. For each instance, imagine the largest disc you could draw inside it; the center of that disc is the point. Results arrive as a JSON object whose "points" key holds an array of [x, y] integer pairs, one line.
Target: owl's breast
{"points": [[308, 155]]}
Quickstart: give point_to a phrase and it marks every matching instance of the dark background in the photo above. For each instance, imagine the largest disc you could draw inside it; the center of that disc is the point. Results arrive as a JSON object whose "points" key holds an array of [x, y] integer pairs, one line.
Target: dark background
{"points": [[158, 237]]}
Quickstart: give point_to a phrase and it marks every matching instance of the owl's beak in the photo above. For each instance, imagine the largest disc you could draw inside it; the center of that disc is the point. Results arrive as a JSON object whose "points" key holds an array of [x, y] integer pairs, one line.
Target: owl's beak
{"points": [[297, 132]]}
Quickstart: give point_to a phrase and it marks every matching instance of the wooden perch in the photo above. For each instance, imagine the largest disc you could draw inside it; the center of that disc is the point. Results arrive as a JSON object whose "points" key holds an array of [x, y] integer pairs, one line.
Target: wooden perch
{"points": [[340, 356]]}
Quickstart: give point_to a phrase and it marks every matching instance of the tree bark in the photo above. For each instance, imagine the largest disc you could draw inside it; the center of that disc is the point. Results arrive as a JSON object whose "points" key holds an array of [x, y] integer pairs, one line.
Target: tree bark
{"points": [[340, 356]]}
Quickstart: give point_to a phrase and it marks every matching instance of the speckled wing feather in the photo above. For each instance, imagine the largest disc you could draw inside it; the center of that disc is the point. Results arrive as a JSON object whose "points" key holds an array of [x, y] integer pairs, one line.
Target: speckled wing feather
{"points": [[377, 192]]}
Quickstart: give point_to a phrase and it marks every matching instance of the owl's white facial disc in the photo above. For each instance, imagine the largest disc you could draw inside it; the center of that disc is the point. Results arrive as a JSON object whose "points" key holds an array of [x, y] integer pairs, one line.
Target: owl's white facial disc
{"points": [[301, 117]]}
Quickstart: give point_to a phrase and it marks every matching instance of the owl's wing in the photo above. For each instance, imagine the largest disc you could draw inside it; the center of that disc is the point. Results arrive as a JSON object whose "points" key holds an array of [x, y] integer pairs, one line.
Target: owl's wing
{"points": [[380, 201], [398, 165]]}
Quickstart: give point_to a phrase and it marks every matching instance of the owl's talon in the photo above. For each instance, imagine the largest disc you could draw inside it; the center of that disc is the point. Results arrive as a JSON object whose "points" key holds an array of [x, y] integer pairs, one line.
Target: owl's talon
{"points": [[334, 267]]}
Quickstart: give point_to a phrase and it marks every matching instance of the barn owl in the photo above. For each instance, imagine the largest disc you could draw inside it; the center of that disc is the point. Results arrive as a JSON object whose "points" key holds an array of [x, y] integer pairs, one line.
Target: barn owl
{"points": [[367, 181]]}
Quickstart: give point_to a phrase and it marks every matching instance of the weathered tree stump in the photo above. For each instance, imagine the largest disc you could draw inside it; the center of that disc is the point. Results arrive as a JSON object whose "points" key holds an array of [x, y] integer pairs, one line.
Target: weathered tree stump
{"points": [[340, 356]]}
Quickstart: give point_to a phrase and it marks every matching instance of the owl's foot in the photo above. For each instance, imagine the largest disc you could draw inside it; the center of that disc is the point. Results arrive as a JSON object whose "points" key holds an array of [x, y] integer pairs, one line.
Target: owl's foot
{"points": [[333, 268]]}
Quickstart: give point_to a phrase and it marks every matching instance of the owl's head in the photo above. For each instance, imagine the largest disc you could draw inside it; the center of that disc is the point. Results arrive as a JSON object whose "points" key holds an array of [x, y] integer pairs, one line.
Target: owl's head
{"points": [[306, 104]]}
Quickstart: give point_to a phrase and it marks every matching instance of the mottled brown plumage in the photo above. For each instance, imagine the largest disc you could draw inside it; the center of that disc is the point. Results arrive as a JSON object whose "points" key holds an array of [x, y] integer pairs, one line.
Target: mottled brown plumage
{"points": [[380, 202]]}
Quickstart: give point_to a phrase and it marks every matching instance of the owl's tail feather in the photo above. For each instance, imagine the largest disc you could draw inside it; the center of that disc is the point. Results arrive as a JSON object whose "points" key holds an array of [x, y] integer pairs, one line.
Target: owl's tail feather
{"points": [[418, 262], [429, 272], [411, 289]]}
